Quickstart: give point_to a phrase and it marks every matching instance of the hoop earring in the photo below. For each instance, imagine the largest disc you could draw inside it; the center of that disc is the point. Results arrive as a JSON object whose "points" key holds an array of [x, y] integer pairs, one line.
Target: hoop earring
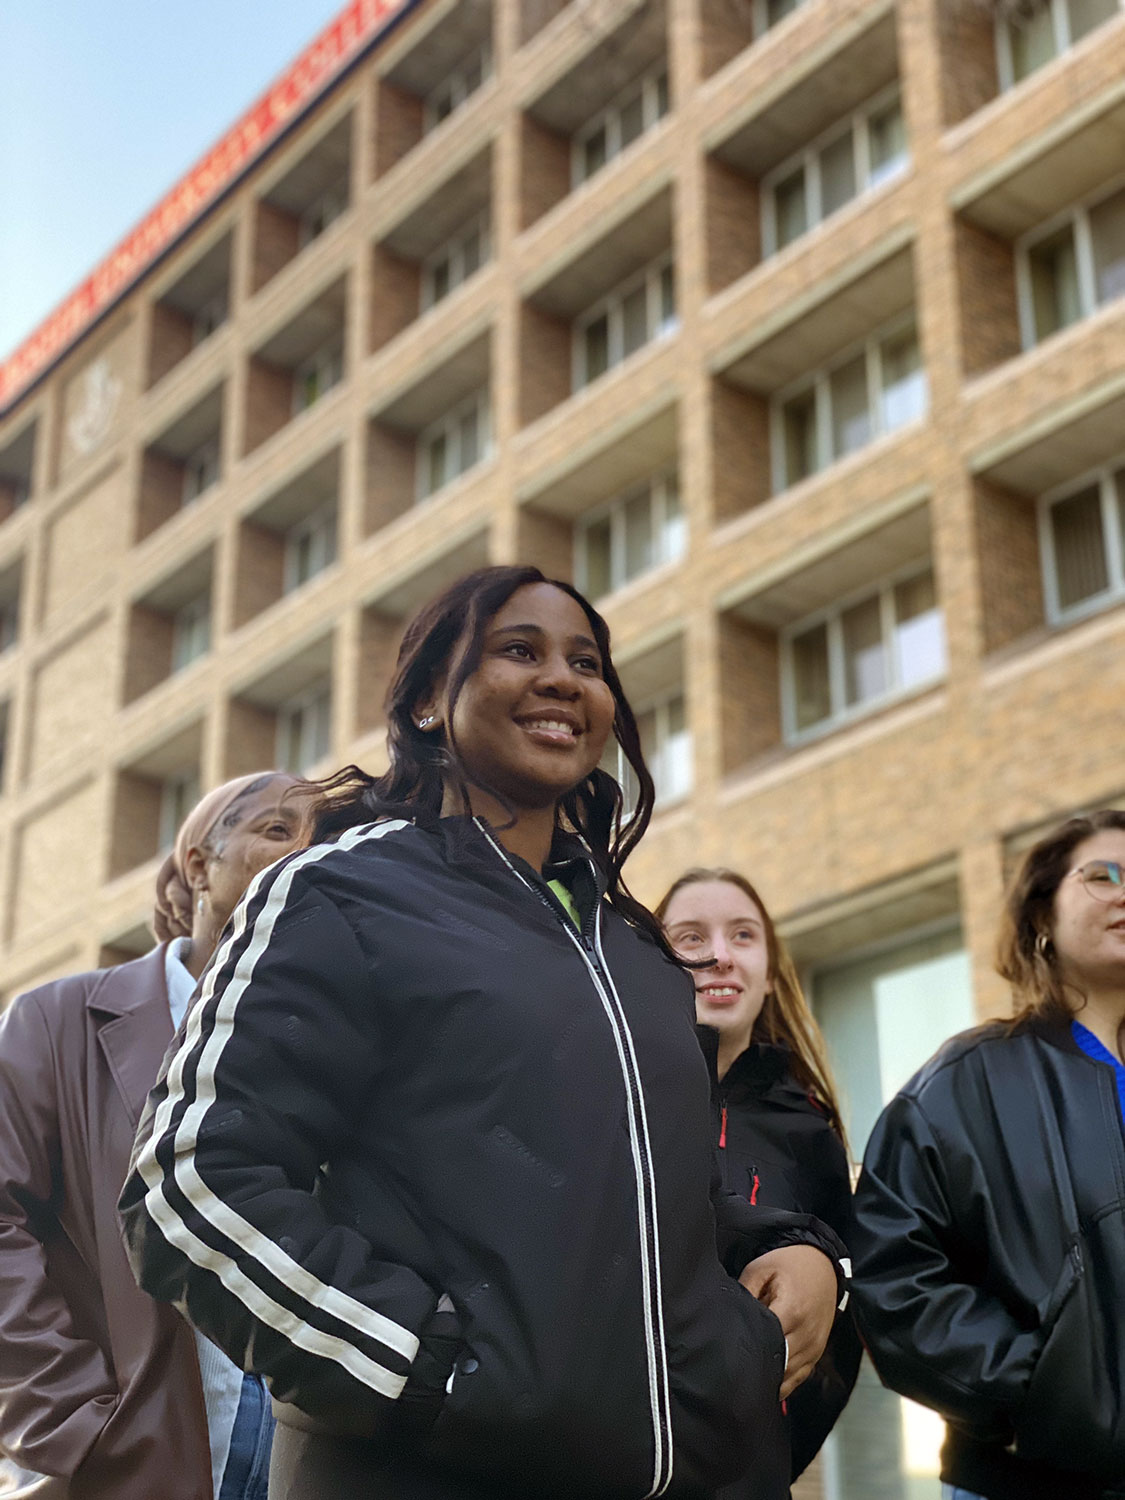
{"points": [[1042, 943]]}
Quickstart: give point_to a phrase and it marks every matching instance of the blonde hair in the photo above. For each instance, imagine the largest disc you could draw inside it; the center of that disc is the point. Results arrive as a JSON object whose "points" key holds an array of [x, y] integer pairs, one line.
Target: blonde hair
{"points": [[785, 1017]]}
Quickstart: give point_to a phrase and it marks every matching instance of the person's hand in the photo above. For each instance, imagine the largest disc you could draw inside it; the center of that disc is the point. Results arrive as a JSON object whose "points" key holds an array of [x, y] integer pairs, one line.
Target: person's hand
{"points": [[798, 1285]]}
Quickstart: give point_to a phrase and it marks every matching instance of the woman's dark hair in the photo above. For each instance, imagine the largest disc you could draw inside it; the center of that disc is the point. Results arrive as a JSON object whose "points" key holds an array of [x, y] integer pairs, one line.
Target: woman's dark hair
{"points": [[785, 1016], [447, 636], [1026, 955]]}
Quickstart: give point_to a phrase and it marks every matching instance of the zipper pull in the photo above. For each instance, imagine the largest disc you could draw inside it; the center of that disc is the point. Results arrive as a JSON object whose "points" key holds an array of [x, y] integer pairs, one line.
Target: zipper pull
{"points": [[754, 1190], [723, 1131]]}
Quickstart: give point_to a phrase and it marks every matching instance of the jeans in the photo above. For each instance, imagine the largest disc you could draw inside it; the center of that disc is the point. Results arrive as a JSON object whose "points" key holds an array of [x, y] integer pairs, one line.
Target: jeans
{"points": [[246, 1476], [954, 1492]]}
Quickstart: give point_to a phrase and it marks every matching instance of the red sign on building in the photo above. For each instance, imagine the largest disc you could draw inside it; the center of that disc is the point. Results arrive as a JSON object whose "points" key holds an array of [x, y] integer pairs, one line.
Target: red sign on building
{"points": [[339, 43]]}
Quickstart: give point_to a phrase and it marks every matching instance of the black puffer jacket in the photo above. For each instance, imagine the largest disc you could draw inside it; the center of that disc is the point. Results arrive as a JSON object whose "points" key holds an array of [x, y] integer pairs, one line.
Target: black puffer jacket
{"points": [[408, 1079], [778, 1149], [990, 1261]]}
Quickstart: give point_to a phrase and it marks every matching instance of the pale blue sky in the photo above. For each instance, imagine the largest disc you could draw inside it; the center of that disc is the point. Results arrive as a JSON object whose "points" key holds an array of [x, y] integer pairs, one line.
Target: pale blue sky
{"points": [[104, 104]]}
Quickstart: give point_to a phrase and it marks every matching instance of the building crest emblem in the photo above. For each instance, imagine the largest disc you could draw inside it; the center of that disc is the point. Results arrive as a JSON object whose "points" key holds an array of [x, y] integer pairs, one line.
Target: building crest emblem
{"points": [[97, 404]]}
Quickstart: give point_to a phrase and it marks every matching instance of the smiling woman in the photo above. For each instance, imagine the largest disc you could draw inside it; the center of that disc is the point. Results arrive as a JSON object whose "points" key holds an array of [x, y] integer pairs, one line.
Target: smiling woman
{"points": [[434, 1157]]}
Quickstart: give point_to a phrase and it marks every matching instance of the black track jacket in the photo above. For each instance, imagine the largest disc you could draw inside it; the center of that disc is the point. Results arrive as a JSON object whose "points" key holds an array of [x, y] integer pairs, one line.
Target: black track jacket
{"points": [[990, 1261], [407, 1078]]}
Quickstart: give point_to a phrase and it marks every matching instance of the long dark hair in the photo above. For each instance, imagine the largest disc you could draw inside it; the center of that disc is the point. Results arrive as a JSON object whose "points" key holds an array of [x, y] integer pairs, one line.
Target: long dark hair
{"points": [[447, 636], [785, 1016], [1026, 956]]}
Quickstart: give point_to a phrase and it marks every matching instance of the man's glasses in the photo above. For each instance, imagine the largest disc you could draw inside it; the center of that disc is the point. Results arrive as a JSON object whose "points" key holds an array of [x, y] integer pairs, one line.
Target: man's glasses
{"points": [[1103, 878]]}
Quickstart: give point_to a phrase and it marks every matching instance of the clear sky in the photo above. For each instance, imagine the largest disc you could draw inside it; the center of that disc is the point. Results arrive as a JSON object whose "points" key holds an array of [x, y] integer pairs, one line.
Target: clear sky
{"points": [[104, 104]]}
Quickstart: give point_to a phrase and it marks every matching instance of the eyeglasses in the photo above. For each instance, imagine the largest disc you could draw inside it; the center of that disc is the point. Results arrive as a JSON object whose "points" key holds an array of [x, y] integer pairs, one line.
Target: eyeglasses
{"points": [[1104, 879]]}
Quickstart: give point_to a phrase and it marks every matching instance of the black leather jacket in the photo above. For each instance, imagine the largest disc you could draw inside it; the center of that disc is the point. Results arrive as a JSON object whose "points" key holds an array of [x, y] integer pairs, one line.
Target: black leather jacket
{"points": [[990, 1261]]}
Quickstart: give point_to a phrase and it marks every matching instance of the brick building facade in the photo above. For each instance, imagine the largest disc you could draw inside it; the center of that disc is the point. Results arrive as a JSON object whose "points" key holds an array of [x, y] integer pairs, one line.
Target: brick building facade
{"points": [[795, 333]]}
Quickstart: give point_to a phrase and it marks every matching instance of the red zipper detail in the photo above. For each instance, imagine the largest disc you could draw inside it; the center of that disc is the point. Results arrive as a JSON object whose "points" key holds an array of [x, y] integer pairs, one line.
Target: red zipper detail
{"points": [[754, 1190], [723, 1131]]}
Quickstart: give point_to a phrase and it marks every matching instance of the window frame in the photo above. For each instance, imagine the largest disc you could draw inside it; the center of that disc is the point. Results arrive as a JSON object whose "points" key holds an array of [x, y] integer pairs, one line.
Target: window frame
{"points": [[819, 382], [206, 458], [326, 358], [209, 317], [169, 816], [453, 250], [190, 617], [322, 521], [448, 426], [609, 117], [611, 306], [289, 708], [857, 122], [1113, 534], [659, 703], [831, 615], [336, 199], [454, 80], [661, 485], [1060, 30], [1078, 215]]}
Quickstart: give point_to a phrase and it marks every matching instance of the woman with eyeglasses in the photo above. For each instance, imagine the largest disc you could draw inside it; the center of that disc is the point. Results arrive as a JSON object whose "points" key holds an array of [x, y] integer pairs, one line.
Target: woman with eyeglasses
{"points": [[990, 1244]]}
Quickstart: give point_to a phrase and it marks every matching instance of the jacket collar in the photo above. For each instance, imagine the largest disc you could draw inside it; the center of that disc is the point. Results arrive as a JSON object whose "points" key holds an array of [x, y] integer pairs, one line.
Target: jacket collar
{"points": [[757, 1070], [134, 1025]]}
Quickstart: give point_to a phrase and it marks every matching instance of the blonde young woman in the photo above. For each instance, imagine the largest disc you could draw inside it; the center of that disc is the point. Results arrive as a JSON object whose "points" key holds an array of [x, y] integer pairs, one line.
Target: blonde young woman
{"points": [[780, 1135]]}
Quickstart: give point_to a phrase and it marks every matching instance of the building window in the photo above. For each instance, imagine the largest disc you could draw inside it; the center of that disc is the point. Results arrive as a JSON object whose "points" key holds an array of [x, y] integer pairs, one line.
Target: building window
{"points": [[666, 745], [458, 259], [641, 309], [634, 532], [453, 444], [304, 729], [310, 547], [635, 110], [178, 795], [191, 632], [1082, 533], [853, 157], [1030, 36], [201, 471], [208, 318], [316, 376], [9, 623], [869, 392], [322, 211], [861, 653], [1072, 268], [457, 86], [767, 13]]}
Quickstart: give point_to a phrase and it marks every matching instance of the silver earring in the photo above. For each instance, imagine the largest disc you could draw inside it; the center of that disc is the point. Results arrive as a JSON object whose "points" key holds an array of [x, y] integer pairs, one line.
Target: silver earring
{"points": [[199, 904], [1042, 943], [427, 721]]}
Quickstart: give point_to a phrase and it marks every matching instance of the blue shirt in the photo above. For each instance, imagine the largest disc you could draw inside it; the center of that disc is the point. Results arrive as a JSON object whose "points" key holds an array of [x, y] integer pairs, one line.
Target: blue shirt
{"points": [[1100, 1053]]}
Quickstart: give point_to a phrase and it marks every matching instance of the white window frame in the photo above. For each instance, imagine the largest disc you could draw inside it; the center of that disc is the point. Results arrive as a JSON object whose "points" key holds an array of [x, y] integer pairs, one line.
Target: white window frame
{"points": [[1078, 215], [857, 122], [209, 317], [456, 81], [647, 84], [292, 708], [448, 425], [1060, 27], [832, 615], [191, 625], [327, 206], [327, 363], [319, 526], [1104, 477], [819, 383], [668, 523], [612, 307], [453, 251], [202, 471], [659, 704], [178, 795]]}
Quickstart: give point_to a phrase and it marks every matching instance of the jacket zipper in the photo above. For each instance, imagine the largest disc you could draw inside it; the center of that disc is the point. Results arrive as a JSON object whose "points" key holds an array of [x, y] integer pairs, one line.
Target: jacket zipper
{"points": [[757, 1182], [588, 943]]}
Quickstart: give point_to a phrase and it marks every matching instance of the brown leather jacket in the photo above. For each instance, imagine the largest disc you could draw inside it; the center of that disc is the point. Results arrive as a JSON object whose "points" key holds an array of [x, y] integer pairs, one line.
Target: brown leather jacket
{"points": [[99, 1385]]}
